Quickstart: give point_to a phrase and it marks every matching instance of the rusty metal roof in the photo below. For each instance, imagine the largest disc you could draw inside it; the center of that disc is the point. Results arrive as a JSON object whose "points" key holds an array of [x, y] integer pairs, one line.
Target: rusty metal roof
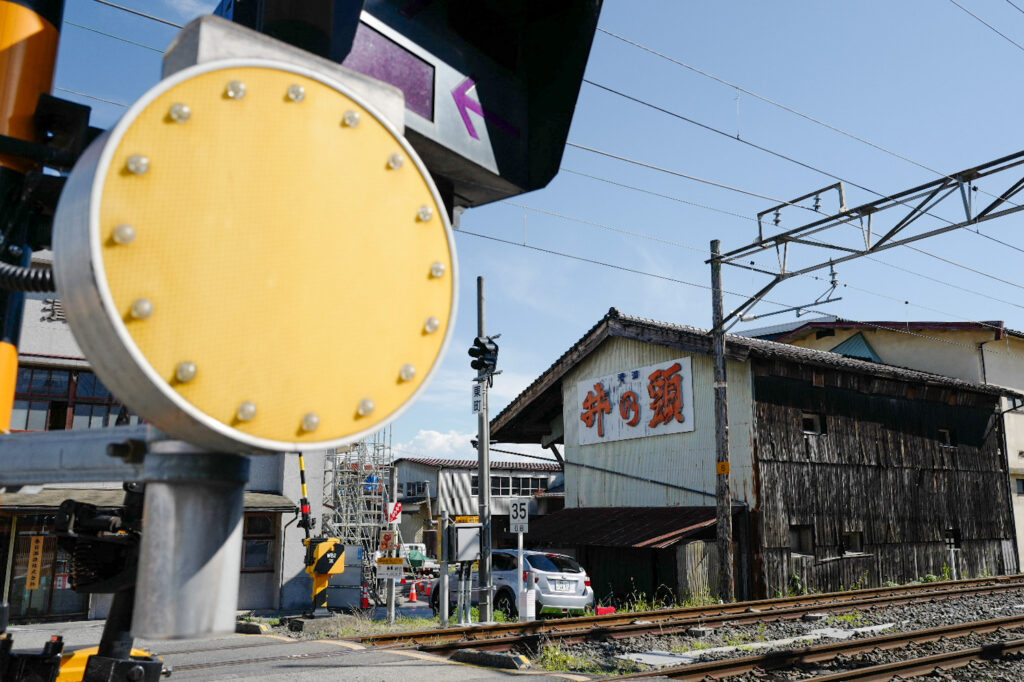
{"points": [[499, 464], [639, 527]]}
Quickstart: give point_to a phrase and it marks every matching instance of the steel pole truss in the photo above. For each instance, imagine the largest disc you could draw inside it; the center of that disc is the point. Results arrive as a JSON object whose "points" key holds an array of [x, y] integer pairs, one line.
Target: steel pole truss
{"points": [[907, 208]]}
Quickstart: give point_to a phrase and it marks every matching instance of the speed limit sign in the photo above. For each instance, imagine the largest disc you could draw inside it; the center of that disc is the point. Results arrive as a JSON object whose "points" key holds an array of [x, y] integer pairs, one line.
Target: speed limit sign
{"points": [[519, 515]]}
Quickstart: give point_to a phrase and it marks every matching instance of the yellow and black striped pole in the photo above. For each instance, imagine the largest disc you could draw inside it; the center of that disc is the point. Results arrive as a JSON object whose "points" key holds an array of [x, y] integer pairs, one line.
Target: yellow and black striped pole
{"points": [[29, 33]]}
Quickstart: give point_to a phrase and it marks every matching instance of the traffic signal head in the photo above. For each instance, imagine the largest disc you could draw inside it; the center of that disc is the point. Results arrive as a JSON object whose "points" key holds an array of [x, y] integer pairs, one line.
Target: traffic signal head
{"points": [[484, 352]]}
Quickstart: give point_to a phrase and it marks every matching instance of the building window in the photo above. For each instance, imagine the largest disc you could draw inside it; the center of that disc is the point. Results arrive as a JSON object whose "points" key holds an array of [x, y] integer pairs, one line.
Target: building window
{"points": [[501, 486], [528, 485], [57, 399], [801, 539], [952, 538], [259, 543], [947, 438], [514, 486], [1020, 486], [853, 542], [822, 333], [416, 488], [813, 423]]}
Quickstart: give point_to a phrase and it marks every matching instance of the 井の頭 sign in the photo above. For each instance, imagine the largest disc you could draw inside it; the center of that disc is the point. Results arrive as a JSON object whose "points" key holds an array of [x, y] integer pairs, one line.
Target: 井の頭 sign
{"points": [[648, 401]]}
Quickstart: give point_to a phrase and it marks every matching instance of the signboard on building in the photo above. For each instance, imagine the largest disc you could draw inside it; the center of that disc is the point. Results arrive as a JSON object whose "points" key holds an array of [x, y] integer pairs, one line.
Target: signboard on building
{"points": [[35, 562], [519, 515], [654, 400], [390, 567]]}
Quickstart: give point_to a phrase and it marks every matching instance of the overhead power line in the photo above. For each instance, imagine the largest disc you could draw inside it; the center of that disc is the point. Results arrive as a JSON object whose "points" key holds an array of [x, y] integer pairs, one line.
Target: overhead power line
{"points": [[661, 169], [111, 35], [803, 115], [782, 304], [98, 99], [136, 12], [990, 26]]}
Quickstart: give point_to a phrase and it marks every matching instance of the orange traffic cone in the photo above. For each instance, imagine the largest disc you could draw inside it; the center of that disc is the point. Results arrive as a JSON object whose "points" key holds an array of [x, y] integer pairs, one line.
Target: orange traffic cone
{"points": [[412, 592], [426, 588], [364, 602]]}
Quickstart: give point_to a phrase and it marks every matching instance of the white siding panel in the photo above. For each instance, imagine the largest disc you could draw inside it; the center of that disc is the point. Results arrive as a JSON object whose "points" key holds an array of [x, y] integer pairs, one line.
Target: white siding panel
{"points": [[683, 459]]}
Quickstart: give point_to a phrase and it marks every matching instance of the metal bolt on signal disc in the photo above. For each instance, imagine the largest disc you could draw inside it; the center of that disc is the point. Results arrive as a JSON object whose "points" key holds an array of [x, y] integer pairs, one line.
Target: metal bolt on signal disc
{"points": [[243, 217]]}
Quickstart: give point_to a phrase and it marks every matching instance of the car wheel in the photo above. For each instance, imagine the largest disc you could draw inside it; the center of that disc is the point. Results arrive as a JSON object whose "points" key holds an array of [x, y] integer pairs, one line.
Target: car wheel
{"points": [[506, 603]]}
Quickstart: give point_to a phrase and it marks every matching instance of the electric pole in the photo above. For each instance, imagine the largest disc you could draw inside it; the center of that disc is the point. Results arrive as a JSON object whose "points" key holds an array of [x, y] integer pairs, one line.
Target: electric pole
{"points": [[484, 462], [723, 495]]}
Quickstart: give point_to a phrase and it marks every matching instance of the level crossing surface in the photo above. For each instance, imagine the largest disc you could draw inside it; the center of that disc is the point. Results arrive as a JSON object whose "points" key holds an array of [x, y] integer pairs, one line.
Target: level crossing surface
{"points": [[274, 657]]}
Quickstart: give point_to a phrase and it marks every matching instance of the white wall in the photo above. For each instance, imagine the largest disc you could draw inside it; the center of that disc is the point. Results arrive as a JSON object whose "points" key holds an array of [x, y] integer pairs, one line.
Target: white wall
{"points": [[683, 459]]}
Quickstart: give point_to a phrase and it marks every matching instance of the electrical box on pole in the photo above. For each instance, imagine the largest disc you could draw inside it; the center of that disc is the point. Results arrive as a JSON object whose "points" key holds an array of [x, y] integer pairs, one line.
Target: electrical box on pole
{"points": [[490, 85]]}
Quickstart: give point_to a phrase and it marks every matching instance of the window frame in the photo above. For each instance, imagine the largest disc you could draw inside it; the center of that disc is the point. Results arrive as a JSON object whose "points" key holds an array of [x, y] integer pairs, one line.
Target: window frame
{"points": [[255, 536]]}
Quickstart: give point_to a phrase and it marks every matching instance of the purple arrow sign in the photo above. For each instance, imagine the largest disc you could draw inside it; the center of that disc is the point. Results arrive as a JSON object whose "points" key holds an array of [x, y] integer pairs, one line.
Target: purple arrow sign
{"points": [[466, 104]]}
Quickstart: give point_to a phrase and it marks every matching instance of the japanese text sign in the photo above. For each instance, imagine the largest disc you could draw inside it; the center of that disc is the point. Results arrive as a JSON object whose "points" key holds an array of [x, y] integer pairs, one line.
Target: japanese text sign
{"points": [[648, 401]]}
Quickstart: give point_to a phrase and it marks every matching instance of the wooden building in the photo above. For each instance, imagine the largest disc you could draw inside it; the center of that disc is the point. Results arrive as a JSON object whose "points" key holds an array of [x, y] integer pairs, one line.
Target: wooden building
{"points": [[844, 472]]}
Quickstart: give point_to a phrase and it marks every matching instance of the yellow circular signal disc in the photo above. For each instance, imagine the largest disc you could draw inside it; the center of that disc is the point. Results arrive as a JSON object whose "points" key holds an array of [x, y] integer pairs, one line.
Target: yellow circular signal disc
{"points": [[275, 255]]}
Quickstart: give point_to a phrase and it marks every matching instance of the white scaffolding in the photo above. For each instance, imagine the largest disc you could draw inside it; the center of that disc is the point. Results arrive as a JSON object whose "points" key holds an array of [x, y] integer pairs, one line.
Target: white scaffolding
{"points": [[356, 497]]}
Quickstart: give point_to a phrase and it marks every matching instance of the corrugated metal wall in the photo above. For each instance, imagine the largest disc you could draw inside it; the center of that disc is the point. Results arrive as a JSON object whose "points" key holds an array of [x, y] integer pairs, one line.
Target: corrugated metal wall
{"points": [[456, 487], [685, 459]]}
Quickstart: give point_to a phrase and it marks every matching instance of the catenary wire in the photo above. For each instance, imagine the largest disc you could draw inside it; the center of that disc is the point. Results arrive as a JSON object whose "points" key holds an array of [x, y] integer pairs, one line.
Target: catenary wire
{"points": [[111, 35], [782, 156], [706, 253], [1015, 6], [98, 99], [748, 218], [136, 12], [801, 114], [807, 308], [990, 26], [644, 164]]}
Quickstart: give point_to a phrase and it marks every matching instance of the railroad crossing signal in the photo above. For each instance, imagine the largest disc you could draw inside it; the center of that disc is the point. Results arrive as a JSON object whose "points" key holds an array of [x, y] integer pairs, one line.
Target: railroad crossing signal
{"points": [[490, 87], [324, 557], [214, 274], [484, 352]]}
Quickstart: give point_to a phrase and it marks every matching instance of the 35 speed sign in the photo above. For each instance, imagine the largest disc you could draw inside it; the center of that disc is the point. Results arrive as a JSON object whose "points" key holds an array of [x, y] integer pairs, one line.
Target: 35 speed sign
{"points": [[519, 515]]}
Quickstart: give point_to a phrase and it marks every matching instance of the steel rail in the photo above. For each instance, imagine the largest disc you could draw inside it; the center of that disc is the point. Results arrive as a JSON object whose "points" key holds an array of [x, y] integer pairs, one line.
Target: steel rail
{"points": [[534, 641], [928, 664], [825, 652], [760, 609]]}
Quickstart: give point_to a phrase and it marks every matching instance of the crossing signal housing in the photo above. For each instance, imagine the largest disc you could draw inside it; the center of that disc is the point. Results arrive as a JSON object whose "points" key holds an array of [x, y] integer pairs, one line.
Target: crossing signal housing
{"points": [[484, 352], [218, 251]]}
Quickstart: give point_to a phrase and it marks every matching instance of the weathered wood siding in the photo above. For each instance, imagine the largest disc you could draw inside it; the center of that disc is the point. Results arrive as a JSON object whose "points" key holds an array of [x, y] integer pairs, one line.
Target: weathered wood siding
{"points": [[878, 468]]}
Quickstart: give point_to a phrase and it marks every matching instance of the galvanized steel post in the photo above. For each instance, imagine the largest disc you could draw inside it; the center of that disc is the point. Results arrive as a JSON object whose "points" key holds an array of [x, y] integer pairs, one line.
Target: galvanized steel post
{"points": [[484, 487], [192, 543], [723, 495]]}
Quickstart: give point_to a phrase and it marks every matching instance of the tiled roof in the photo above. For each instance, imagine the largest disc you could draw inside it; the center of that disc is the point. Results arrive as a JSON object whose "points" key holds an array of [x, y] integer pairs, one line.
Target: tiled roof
{"points": [[646, 527], [698, 340], [496, 464]]}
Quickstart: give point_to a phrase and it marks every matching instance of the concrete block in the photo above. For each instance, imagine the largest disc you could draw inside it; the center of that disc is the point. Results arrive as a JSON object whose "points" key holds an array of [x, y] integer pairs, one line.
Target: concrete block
{"points": [[814, 617], [245, 627], [492, 659]]}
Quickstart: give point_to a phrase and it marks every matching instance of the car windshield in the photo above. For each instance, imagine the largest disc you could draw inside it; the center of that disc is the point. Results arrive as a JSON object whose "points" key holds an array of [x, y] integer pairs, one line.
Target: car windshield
{"points": [[553, 563]]}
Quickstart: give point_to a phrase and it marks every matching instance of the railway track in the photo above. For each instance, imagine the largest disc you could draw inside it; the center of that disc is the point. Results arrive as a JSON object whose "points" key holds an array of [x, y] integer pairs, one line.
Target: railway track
{"points": [[506, 636], [789, 658]]}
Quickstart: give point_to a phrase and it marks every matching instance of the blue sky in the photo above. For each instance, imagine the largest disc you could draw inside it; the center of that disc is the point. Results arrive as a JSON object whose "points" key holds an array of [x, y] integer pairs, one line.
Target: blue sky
{"points": [[920, 78]]}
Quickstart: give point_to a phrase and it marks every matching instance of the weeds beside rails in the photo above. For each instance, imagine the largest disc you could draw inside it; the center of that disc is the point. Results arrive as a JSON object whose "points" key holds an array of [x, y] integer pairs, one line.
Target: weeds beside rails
{"points": [[556, 657]]}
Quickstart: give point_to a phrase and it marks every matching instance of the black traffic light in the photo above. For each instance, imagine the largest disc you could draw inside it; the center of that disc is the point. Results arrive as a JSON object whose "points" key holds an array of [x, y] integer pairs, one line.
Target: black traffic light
{"points": [[484, 352]]}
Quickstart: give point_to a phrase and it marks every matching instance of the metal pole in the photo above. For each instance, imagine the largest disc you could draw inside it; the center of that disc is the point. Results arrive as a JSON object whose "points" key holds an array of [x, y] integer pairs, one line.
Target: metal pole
{"points": [[520, 601], [191, 543], [442, 583], [484, 457], [722, 493], [10, 558], [29, 33], [393, 496]]}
